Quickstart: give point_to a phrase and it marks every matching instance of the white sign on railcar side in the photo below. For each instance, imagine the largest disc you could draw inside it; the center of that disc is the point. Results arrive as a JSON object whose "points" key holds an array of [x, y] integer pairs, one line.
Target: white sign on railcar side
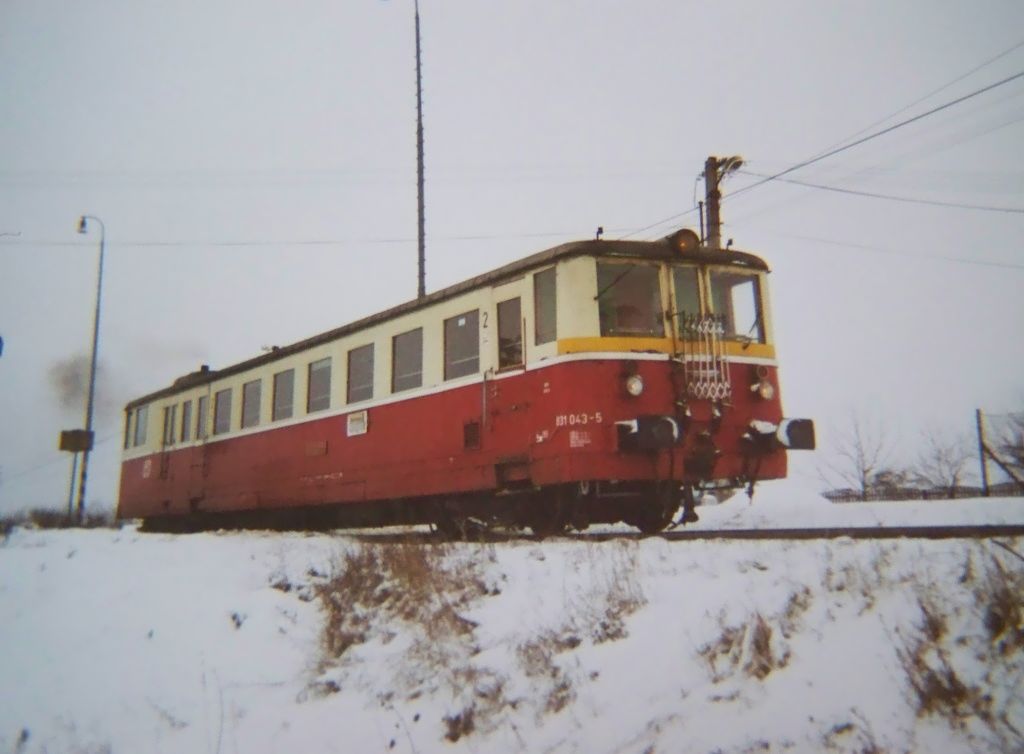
{"points": [[358, 423]]}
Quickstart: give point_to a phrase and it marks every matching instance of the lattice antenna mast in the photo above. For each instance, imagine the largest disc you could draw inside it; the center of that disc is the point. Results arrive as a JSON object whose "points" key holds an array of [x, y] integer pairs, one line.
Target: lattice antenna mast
{"points": [[421, 236]]}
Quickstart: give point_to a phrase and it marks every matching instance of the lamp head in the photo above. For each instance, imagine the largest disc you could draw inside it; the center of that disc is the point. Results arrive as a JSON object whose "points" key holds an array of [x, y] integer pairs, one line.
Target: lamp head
{"points": [[81, 224], [730, 164]]}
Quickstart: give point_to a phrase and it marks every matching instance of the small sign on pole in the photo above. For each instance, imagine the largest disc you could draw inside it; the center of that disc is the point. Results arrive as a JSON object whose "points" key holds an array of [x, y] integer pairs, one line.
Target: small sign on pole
{"points": [[76, 440]]}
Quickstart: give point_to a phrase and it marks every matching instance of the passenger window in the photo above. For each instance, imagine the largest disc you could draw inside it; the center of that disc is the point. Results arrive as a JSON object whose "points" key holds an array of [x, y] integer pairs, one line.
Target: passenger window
{"points": [[202, 417], [360, 374], [462, 345], [141, 420], [284, 395], [510, 333], [407, 360], [545, 307], [736, 298], [128, 429], [319, 395], [629, 300], [222, 411], [170, 413], [251, 403], [186, 421]]}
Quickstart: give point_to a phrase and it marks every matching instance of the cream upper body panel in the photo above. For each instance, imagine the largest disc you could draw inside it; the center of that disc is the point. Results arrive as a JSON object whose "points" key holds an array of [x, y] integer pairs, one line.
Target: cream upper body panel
{"points": [[576, 330]]}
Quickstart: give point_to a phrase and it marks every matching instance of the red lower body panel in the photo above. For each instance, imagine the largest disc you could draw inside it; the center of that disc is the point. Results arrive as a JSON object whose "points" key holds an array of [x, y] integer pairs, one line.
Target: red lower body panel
{"points": [[540, 427]]}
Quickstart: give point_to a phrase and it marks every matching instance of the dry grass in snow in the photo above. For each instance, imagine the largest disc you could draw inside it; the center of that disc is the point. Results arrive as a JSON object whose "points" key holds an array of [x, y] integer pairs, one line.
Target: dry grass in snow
{"points": [[265, 642], [413, 601]]}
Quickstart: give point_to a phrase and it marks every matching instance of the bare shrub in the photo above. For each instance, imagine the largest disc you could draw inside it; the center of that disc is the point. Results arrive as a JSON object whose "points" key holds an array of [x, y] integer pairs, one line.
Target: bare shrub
{"points": [[406, 581], [725, 649], [482, 692], [615, 597], [860, 456], [346, 598], [459, 725], [45, 518], [760, 660], [560, 696], [611, 626], [857, 738], [537, 659], [966, 679], [373, 589], [942, 463], [1002, 595], [748, 647], [936, 685], [49, 518], [797, 604], [859, 582], [8, 523], [933, 624]]}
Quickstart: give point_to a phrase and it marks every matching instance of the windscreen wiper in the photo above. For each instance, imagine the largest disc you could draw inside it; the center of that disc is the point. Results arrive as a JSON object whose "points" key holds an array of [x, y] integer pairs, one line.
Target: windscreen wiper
{"points": [[629, 269]]}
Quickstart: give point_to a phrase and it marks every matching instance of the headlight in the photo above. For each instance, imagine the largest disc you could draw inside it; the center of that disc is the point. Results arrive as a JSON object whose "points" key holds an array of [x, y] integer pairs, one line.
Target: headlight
{"points": [[764, 389], [634, 385]]}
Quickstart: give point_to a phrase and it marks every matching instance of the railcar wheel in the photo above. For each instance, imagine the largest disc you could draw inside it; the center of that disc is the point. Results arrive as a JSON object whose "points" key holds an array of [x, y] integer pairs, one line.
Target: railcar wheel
{"points": [[545, 514], [651, 519], [448, 527], [652, 516]]}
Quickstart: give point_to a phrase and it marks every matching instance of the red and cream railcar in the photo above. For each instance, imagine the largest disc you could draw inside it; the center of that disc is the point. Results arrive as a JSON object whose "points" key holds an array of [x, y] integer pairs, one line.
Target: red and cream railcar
{"points": [[594, 381]]}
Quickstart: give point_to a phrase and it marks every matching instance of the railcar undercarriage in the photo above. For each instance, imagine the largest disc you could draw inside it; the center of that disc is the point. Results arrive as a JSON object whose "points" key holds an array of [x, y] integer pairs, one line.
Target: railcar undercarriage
{"points": [[650, 507]]}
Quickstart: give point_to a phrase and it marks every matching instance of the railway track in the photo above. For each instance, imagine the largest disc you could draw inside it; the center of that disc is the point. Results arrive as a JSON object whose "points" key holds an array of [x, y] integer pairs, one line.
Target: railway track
{"points": [[887, 532], [678, 535]]}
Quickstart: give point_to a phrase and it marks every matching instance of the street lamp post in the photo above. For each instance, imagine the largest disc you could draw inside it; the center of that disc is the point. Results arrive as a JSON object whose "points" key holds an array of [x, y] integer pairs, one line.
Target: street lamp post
{"points": [[82, 227]]}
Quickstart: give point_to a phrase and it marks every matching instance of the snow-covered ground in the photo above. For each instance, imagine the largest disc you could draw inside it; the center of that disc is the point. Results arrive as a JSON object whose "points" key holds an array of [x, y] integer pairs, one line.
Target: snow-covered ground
{"points": [[118, 641]]}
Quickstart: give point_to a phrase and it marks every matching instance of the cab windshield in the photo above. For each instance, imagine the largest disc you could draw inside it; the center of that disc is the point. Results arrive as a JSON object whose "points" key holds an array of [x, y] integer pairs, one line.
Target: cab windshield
{"points": [[629, 300], [687, 287], [736, 298]]}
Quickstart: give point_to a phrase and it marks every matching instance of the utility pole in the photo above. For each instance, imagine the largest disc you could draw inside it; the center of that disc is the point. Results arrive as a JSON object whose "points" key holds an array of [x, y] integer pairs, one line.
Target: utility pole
{"points": [[714, 202], [981, 451], [88, 434], [715, 169]]}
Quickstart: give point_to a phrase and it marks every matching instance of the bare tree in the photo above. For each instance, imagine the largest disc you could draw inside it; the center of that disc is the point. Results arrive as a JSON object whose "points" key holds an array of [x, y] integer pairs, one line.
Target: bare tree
{"points": [[860, 452], [943, 461], [1011, 440]]}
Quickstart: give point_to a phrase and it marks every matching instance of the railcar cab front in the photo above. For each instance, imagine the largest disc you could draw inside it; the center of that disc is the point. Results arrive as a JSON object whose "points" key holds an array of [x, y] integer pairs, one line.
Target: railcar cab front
{"points": [[692, 328]]}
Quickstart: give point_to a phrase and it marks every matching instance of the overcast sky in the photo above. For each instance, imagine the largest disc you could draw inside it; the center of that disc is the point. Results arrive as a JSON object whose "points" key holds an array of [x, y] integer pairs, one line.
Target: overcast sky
{"points": [[254, 164]]}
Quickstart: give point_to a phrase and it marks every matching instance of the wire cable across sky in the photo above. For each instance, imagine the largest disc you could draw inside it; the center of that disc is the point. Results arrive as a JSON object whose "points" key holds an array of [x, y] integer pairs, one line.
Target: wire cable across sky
{"points": [[891, 197], [843, 148], [882, 132]]}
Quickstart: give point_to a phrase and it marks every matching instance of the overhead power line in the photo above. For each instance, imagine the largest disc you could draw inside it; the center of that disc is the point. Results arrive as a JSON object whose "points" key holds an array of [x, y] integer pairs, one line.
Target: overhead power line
{"points": [[308, 242], [898, 252], [882, 132], [930, 94], [837, 150], [890, 197]]}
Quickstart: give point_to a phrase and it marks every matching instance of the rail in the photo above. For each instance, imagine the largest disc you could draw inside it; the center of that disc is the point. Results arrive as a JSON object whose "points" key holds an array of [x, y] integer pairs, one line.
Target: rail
{"points": [[987, 531]]}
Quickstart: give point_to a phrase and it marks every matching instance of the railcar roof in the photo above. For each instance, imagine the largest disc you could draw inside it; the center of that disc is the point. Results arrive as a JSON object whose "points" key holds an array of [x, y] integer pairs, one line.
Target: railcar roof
{"points": [[661, 250]]}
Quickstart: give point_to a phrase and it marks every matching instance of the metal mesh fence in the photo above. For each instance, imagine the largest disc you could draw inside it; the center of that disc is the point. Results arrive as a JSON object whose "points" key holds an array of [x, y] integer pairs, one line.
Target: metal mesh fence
{"points": [[1001, 437]]}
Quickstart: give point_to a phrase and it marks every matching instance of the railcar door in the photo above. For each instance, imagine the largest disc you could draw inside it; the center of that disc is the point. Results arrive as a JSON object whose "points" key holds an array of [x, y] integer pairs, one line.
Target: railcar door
{"points": [[198, 456], [507, 394], [197, 475]]}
